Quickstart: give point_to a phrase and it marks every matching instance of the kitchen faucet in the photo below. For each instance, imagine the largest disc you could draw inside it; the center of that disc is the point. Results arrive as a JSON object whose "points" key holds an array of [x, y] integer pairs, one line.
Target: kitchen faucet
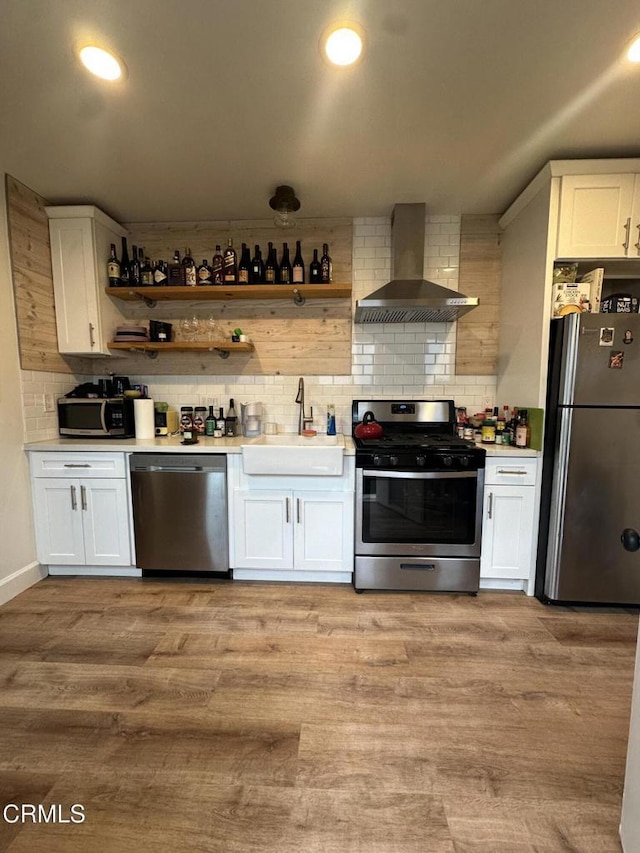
{"points": [[302, 419]]}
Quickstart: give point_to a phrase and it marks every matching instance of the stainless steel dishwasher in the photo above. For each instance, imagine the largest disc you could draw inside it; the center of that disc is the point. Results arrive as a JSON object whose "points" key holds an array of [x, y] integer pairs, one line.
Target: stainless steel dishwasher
{"points": [[180, 512]]}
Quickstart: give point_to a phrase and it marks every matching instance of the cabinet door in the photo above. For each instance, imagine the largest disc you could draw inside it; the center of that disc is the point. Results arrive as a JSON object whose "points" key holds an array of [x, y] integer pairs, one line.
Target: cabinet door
{"points": [[262, 529], [507, 532], [105, 522], [58, 517], [323, 531], [595, 216], [75, 286]]}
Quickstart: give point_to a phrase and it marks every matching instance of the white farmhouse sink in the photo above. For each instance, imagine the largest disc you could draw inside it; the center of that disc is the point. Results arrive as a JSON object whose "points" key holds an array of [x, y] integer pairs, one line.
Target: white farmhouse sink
{"points": [[318, 456]]}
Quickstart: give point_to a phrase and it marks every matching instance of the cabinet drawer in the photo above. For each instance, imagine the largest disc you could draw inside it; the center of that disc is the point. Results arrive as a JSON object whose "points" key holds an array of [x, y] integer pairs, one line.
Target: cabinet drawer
{"points": [[507, 471], [83, 465]]}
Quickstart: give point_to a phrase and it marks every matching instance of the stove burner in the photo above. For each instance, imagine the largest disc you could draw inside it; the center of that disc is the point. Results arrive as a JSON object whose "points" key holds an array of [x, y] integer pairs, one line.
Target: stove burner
{"points": [[427, 441]]}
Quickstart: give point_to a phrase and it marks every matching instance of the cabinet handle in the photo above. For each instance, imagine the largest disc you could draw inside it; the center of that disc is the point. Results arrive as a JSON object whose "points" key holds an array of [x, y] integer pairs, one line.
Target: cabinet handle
{"points": [[504, 471], [298, 510], [287, 510], [490, 505], [627, 239], [74, 502], [83, 497], [92, 340], [637, 245], [77, 465]]}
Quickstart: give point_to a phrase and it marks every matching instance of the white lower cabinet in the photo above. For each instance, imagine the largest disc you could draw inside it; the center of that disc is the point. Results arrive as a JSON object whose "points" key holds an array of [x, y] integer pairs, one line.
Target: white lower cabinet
{"points": [[81, 510], [509, 519], [293, 530]]}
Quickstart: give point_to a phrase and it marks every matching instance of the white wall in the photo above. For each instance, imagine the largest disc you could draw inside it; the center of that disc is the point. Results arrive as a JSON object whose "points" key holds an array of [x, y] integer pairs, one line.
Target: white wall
{"points": [[411, 360], [18, 567]]}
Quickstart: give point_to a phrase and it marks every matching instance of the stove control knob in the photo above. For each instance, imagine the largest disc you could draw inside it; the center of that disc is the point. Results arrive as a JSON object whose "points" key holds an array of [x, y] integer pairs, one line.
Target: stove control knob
{"points": [[377, 460], [421, 460], [447, 461], [464, 461], [393, 460]]}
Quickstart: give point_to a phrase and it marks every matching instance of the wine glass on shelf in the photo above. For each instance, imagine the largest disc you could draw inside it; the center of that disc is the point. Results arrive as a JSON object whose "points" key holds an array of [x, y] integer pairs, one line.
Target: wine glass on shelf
{"points": [[213, 330]]}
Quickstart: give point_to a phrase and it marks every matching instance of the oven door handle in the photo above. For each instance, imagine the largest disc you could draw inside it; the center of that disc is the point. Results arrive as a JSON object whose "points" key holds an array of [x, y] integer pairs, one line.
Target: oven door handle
{"points": [[422, 475]]}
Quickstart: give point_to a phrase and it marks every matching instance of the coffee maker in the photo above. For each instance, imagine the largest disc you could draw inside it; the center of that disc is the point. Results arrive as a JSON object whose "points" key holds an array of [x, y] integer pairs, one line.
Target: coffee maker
{"points": [[251, 418]]}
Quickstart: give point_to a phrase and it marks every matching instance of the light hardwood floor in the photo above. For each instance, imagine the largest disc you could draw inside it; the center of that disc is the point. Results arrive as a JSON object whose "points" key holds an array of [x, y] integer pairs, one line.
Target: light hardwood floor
{"points": [[263, 718]]}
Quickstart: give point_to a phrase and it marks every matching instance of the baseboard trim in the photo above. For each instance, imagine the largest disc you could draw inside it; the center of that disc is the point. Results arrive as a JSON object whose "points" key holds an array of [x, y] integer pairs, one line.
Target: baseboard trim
{"points": [[95, 571], [294, 576], [17, 582], [504, 583]]}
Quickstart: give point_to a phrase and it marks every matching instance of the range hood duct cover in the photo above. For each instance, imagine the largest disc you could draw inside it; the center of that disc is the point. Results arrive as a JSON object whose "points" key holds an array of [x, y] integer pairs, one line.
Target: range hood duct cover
{"points": [[408, 298]]}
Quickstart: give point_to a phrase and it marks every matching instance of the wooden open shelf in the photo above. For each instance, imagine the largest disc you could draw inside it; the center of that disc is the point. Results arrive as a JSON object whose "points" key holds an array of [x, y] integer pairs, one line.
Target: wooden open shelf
{"points": [[238, 291], [152, 348]]}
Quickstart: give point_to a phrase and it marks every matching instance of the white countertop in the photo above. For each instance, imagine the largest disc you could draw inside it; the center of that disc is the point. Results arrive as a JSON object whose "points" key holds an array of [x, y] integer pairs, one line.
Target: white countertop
{"points": [[508, 450], [164, 444]]}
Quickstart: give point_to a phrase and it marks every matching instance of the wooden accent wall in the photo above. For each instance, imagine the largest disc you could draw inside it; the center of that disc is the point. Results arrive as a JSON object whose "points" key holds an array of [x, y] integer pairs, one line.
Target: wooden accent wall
{"points": [[33, 283], [480, 271], [314, 338]]}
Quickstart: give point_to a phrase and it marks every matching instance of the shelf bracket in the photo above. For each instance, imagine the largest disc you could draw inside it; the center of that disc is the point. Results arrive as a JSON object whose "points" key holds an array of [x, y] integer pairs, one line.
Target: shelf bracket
{"points": [[151, 353], [298, 298], [223, 353], [150, 303]]}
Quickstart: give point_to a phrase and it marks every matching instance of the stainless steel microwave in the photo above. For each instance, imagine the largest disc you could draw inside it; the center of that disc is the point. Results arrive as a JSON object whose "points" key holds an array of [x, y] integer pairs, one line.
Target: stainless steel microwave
{"points": [[98, 417]]}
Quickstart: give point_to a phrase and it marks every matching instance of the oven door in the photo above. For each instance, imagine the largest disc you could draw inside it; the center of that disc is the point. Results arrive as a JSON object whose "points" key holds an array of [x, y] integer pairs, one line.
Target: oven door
{"points": [[419, 513]]}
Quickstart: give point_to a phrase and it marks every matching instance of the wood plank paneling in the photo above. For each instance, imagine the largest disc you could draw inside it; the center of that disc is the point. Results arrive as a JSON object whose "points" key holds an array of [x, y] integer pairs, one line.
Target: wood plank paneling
{"points": [[313, 339], [33, 283], [480, 271]]}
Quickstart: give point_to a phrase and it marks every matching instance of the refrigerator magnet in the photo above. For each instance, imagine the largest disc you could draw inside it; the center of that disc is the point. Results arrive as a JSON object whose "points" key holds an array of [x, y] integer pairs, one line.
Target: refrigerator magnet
{"points": [[627, 338], [616, 359], [606, 336]]}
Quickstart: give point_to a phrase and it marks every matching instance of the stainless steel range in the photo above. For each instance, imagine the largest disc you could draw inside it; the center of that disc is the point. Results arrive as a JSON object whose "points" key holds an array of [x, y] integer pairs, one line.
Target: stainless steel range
{"points": [[418, 499]]}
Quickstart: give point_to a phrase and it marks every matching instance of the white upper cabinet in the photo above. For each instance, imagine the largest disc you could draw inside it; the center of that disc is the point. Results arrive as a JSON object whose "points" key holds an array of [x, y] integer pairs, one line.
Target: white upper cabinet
{"points": [[599, 216], [80, 237]]}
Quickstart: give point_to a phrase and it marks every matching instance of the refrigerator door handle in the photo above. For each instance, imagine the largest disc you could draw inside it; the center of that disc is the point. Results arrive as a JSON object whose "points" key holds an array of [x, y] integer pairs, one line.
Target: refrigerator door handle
{"points": [[558, 498]]}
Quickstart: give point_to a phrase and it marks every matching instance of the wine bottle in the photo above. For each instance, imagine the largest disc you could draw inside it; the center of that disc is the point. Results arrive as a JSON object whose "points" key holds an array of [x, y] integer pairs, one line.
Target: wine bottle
{"points": [[298, 265], [160, 274], [271, 266], [230, 263], [286, 273], [217, 267], [326, 266], [113, 268], [134, 268], [231, 420], [244, 267], [257, 267], [140, 260], [204, 273], [210, 423], [315, 275], [190, 272], [124, 264], [146, 273], [221, 424]]}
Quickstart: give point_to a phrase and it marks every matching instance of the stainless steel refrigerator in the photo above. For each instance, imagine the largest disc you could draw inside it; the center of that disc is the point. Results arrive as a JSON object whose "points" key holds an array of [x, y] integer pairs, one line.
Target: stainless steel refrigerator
{"points": [[591, 471]]}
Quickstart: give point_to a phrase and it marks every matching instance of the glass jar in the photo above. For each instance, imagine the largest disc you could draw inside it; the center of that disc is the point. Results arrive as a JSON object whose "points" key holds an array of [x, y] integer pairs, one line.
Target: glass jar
{"points": [[186, 418], [199, 417], [488, 431]]}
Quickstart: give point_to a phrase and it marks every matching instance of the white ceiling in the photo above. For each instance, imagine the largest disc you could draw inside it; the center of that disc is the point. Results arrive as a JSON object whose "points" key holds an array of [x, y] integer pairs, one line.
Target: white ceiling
{"points": [[457, 103]]}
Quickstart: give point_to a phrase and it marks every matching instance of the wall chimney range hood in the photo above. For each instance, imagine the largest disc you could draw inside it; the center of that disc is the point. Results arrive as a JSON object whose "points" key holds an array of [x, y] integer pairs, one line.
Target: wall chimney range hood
{"points": [[408, 298]]}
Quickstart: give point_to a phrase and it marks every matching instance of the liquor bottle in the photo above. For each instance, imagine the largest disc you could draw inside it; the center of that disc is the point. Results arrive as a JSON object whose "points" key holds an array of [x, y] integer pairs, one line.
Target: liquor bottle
{"points": [[271, 266], [140, 261], [210, 423], [190, 272], [221, 424], [204, 273], [113, 268], [175, 271], [160, 274], [315, 273], [134, 268], [286, 272], [231, 420], [124, 265], [146, 273], [523, 430], [230, 264], [298, 265], [326, 266], [217, 267], [257, 267], [244, 267]]}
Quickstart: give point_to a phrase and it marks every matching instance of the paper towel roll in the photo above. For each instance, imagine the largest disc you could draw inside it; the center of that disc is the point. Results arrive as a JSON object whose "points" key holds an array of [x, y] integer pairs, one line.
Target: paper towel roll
{"points": [[144, 417]]}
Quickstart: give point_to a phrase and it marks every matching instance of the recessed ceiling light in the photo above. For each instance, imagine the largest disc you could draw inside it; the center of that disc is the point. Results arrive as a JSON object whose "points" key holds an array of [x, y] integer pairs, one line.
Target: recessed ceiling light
{"points": [[343, 46], [101, 62], [633, 54]]}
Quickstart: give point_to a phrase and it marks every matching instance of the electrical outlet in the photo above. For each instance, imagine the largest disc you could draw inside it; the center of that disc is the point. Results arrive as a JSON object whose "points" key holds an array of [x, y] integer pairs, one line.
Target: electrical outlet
{"points": [[487, 403], [49, 403]]}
